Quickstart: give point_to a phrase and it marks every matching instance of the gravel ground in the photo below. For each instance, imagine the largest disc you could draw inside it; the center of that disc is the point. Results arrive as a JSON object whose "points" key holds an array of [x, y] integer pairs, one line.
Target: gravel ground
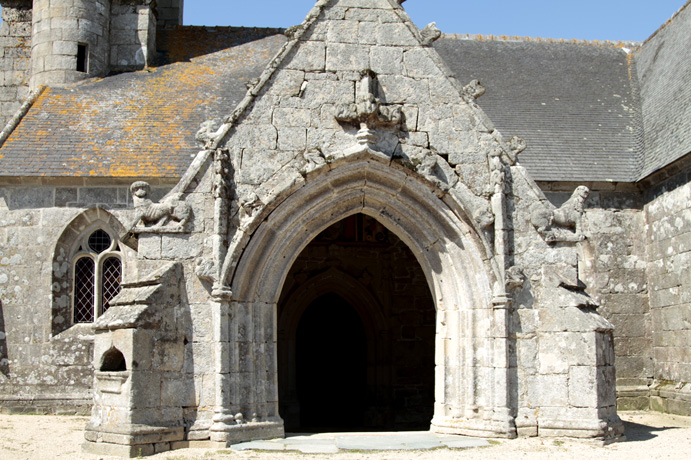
{"points": [[649, 436]]}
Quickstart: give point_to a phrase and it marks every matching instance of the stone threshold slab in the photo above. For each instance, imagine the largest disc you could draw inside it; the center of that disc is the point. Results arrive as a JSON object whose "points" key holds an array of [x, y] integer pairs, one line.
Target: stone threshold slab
{"points": [[331, 443]]}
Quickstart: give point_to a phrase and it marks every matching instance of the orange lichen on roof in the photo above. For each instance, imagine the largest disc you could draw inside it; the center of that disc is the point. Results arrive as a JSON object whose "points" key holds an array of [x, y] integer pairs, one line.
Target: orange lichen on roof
{"points": [[136, 124]]}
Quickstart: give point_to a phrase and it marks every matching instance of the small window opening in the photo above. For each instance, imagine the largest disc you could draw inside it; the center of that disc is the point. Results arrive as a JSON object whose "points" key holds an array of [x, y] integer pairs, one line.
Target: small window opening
{"points": [[99, 241], [113, 361], [82, 57]]}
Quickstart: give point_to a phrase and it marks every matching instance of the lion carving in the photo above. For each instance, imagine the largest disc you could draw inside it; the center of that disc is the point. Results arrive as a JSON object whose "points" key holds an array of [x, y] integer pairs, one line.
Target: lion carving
{"points": [[563, 223], [171, 215]]}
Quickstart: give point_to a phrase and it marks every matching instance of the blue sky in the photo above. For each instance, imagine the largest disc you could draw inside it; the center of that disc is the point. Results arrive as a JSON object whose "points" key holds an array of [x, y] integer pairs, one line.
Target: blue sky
{"points": [[632, 20], [627, 20]]}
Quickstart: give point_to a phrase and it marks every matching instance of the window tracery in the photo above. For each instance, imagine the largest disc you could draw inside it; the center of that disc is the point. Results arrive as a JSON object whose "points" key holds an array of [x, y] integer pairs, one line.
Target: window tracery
{"points": [[97, 275]]}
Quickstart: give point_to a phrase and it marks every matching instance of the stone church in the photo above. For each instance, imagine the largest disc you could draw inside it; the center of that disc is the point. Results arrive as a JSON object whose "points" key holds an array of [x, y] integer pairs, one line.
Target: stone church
{"points": [[216, 234]]}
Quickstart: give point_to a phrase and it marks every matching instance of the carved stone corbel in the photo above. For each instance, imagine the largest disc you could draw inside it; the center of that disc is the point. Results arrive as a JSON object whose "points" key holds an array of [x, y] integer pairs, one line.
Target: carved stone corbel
{"points": [[515, 277], [368, 111]]}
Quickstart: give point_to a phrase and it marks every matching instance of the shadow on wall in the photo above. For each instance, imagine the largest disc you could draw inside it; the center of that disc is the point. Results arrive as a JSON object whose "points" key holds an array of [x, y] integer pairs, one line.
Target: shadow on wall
{"points": [[4, 361], [184, 43]]}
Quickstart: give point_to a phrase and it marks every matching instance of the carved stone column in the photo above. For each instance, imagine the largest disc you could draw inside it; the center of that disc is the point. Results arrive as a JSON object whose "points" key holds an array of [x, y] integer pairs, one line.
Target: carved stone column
{"points": [[246, 379], [223, 414]]}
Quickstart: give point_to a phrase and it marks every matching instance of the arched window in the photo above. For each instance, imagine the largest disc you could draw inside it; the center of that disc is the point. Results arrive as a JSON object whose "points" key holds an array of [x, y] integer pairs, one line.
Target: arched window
{"points": [[97, 270]]}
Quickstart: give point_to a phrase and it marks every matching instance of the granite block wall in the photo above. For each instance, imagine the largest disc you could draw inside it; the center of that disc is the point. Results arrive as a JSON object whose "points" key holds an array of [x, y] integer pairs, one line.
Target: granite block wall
{"points": [[15, 57], [668, 233], [614, 271], [44, 369]]}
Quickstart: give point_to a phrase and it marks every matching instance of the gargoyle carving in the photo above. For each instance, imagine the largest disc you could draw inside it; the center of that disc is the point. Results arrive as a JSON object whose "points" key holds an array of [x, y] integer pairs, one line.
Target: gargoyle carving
{"points": [[474, 89], [430, 34], [564, 223], [168, 216]]}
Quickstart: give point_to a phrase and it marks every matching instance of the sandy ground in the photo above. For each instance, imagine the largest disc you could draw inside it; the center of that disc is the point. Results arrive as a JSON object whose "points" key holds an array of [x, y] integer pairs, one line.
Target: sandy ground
{"points": [[649, 436]]}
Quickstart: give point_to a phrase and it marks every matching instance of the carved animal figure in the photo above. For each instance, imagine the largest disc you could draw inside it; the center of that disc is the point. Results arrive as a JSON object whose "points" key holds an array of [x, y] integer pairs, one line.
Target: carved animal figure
{"points": [[158, 214], [515, 278], [570, 213], [554, 225]]}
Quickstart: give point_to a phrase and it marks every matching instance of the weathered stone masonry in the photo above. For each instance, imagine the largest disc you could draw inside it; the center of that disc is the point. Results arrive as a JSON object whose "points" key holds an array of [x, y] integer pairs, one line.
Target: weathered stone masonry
{"points": [[296, 162], [525, 291], [668, 227], [15, 42]]}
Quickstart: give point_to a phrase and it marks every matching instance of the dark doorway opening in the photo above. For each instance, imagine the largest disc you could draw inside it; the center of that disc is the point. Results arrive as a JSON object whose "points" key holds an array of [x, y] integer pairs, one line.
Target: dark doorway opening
{"points": [[356, 333], [331, 366]]}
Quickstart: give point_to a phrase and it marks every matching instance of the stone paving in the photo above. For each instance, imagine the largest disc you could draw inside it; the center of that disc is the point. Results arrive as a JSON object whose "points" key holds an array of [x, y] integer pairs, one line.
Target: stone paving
{"points": [[331, 443]]}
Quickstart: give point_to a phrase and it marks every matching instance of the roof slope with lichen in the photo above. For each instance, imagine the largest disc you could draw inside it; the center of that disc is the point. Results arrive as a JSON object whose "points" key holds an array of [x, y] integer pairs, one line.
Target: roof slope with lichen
{"points": [[664, 70], [141, 123], [574, 102]]}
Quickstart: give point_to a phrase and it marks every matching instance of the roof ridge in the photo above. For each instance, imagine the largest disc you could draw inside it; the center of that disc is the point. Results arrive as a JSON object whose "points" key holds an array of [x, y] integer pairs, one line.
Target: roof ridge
{"points": [[193, 27], [516, 38], [667, 22]]}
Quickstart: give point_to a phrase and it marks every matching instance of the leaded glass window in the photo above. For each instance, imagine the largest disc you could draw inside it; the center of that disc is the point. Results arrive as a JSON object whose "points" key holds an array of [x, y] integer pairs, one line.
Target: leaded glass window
{"points": [[97, 277]]}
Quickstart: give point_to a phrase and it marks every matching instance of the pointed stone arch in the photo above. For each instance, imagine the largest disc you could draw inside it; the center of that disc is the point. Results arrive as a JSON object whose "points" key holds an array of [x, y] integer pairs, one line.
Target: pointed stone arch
{"points": [[471, 389], [335, 281], [90, 219]]}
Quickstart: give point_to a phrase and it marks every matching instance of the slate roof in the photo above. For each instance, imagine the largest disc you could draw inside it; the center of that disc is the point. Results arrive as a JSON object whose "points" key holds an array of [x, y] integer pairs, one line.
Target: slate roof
{"points": [[573, 102], [664, 70], [141, 123]]}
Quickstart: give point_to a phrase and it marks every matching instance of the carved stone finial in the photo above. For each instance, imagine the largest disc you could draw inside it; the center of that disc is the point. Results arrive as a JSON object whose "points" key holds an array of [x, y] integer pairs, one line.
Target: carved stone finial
{"points": [[565, 222], [430, 34], [164, 217], [221, 186], [366, 137], [497, 172]]}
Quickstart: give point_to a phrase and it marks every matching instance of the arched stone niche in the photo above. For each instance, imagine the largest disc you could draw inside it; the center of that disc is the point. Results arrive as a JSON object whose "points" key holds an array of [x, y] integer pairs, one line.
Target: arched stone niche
{"points": [[471, 377], [113, 361]]}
